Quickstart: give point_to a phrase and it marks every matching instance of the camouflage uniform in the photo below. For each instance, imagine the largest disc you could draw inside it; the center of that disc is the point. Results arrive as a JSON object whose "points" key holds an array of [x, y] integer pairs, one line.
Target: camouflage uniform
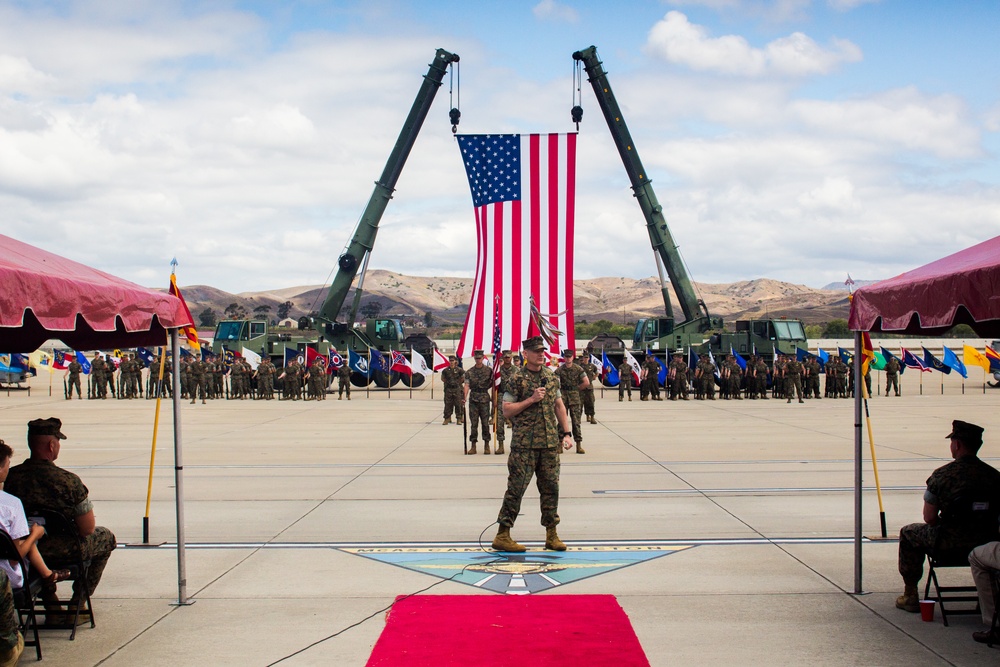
{"points": [[793, 380], [534, 448], [44, 485], [11, 641], [966, 478], [453, 378], [892, 375], [317, 380], [649, 387], [344, 382], [196, 378], [570, 376], [677, 376], [293, 381], [705, 378], [98, 384], [812, 377], [831, 371], [587, 395], [624, 381], [265, 379], [479, 380], [74, 379], [760, 378], [507, 371]]}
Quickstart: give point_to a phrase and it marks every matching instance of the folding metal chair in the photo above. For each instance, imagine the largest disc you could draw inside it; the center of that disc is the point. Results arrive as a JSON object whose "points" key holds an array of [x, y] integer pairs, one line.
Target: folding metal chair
{"points": [[995, 585], [25, 595], [58, 526]]}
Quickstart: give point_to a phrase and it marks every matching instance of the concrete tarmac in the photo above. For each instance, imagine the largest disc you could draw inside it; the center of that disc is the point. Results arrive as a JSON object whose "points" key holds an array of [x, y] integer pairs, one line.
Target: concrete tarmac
{"points": [[759, 494]]}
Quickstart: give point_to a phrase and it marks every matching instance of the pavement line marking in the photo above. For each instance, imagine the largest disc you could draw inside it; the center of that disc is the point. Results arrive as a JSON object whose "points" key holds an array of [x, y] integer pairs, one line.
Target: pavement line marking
{"points": [[772, 489], [609, 544]]}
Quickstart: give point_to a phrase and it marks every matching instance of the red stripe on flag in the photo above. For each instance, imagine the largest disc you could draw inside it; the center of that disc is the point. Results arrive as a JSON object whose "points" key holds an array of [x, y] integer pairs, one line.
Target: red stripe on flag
{"points": [[570, 235], [515, 304], [554, 235]]}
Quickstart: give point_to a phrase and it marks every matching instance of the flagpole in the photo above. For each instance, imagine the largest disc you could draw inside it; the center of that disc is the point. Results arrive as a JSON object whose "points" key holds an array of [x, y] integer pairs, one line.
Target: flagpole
{"points": [[152, 455], [857, 465], [871, 443]]}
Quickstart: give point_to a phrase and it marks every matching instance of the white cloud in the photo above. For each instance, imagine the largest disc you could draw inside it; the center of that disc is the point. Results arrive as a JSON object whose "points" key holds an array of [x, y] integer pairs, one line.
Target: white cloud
{"points": [[677, 40], [550, 10]]}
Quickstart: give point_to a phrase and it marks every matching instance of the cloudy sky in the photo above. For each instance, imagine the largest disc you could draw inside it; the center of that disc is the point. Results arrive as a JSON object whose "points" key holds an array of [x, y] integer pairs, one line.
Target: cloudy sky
{"points": [[799, 140]]}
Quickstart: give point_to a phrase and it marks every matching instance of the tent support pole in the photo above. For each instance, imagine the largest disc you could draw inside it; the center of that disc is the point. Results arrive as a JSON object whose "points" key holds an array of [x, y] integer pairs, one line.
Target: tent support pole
{"points": [[858, 589], [182, 598]]}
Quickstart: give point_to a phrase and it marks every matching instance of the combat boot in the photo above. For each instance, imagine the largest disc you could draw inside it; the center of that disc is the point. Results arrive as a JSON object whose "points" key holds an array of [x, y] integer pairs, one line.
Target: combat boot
{"points": [[472, 448], [552, 541], [447, 420], [909, 600], [630, 398], [486, 448], [622, 398], [499, 449], [504, 542], [579, 449]]}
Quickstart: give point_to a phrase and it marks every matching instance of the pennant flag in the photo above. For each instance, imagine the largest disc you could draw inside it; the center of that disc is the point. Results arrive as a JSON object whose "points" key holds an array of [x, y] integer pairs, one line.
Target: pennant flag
{"points": [[62, 359], [440, 361], [634, 365], [523, 193], [867, 352], [930, 361], [739, 360], [400, 363], [83, 361], [419, 364], [189, 332], [145, 356], [335, 361], [994, 358], [910, 360], [357, 363], [252, 358], [377, 361], [952, 361], [974, 357], [609, 374]]}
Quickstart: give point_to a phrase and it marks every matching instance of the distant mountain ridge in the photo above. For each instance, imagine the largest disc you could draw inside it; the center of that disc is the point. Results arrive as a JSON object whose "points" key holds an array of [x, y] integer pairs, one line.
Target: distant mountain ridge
{"points": [[844, 287], [613, 298]]}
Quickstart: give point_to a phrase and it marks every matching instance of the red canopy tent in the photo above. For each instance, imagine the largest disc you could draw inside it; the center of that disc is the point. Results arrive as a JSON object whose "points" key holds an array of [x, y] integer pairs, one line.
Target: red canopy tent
{"points": [[47, 296], [963, 288]]}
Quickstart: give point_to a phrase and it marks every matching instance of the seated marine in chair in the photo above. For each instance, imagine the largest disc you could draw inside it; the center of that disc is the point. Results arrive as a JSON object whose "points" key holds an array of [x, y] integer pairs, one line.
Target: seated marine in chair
{"points": [[41, 484], [961, 504], [984, 559]]}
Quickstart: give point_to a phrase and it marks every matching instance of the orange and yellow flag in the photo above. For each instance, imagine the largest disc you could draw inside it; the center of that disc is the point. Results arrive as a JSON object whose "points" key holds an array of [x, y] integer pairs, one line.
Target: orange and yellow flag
{"points": [[189, 332], [867, 352]]}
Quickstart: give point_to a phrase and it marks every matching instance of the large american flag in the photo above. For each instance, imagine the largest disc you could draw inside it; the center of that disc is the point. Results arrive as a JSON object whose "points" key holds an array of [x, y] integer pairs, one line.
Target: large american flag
{"points": [[523, 192]]}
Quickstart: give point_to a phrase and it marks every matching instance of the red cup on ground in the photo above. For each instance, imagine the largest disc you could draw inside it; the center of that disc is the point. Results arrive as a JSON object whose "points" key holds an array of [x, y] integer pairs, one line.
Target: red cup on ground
{"points": [[927, 610]]}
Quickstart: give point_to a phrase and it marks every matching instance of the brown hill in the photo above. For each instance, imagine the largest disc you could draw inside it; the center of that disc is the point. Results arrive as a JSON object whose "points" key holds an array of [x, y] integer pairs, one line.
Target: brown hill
{"points": [[615, 299]]}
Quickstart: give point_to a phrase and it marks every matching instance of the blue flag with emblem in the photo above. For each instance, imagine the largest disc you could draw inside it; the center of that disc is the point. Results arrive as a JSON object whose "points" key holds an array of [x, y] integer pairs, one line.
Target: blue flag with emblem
{"points": [[291, 354], [357, 363], [800, 354], [661, 375], [692, 359], [930, 361], [608, 371], [952, 361], [377, 361], [845, 355], [84, 362], [145, 356]]}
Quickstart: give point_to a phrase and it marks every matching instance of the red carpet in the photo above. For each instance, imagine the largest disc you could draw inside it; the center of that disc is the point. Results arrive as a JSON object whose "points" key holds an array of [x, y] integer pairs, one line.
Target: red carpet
{"points": [[508, 630]]}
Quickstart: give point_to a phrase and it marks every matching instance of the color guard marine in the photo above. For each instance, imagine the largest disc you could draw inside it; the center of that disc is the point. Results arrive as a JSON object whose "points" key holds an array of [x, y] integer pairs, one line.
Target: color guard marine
{"points": [[453, 379]]}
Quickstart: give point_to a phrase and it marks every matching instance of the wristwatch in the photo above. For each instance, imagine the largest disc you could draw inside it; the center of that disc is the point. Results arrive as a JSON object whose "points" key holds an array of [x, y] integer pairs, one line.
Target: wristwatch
{"points": [[563, 434]]}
